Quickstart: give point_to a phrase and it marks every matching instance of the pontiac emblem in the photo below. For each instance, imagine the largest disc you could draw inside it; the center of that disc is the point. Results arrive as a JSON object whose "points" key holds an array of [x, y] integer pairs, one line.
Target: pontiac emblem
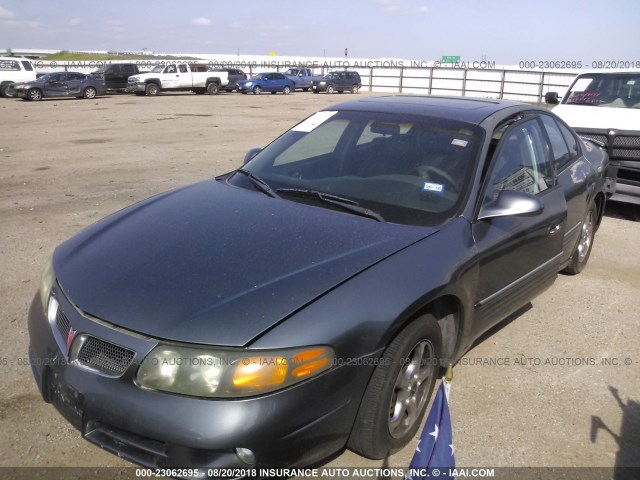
{"points": [[70, 337]]}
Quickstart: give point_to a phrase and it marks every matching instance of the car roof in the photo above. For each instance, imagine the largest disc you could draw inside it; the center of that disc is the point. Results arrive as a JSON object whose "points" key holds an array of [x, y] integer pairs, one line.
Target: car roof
{"points": [[466, 109]]}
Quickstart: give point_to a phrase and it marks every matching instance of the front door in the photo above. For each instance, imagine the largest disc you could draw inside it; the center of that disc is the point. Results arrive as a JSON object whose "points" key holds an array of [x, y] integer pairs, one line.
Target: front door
{"points": [[519, 255]]}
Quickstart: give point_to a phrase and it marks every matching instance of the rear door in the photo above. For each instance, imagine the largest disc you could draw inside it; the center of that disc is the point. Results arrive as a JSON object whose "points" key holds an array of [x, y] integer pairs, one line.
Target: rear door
{"points": [[185, 77], [519, 256], [574, 176], [127, 70], [75, 84]]}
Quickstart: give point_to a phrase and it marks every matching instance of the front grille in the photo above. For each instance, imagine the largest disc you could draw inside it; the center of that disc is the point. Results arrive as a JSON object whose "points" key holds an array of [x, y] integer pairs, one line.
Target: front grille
{"points": [[619, 147], [624, 141], [105, 357], [63, 324]]}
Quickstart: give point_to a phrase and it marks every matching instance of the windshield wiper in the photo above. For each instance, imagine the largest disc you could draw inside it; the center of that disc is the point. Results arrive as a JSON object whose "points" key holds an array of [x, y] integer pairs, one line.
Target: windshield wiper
{"points": [[258, 183], [344, 203]]}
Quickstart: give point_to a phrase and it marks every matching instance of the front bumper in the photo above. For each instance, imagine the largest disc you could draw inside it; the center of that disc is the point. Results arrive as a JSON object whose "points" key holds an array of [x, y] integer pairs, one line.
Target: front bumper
{"points": [[318, 88], [297, 426], [135, 87]]}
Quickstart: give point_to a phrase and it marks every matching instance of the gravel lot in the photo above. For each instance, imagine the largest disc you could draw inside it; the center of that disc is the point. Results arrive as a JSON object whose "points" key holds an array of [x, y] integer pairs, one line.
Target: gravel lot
{"points": [[65, 163]]}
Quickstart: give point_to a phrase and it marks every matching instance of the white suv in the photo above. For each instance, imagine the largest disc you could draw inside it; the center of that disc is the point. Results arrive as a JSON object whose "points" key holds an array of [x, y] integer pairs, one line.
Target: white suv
{"points": [[605, 106], [13, 70]]}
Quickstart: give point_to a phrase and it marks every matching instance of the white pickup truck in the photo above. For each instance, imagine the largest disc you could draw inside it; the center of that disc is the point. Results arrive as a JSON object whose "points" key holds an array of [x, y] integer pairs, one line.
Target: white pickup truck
{"points": [[605, 106], [176, 77], [14, 70]]}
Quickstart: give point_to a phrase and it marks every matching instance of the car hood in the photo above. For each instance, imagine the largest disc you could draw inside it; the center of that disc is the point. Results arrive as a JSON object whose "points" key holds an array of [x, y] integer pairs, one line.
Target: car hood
{"points": [[585, 116], [216, 264]]}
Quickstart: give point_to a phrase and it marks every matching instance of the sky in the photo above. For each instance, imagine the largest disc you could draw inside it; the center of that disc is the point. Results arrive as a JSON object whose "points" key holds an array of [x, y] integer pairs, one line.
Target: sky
{"points": [[504, 31]]}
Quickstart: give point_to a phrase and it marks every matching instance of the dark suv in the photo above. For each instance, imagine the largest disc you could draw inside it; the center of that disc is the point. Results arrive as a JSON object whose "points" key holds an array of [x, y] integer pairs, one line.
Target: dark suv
{"points": [[337, 82], [235, 75], [116, 75]]}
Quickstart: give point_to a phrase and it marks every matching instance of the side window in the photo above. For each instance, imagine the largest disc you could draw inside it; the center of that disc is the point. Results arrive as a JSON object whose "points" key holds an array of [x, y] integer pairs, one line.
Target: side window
{"points": [[9, 65], [571, 141], [183, 68], [521, 161], [128, 68], [27, 66], [561, 155], [171, 69]]}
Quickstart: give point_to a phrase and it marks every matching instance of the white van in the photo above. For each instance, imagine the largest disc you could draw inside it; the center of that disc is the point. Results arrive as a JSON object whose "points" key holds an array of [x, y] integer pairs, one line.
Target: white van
{"points": [[13, 70], [605, 106]]}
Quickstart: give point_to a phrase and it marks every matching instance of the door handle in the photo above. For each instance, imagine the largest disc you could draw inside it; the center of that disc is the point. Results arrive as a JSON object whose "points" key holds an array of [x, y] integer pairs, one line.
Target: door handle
{"points": [[554, 228]]}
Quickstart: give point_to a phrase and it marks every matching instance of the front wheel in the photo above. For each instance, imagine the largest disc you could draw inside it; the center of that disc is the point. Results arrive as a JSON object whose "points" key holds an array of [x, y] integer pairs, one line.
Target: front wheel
{"points": [[152, 90], [354, 89], [257, 90], [34, 95], [89, 93], [4, 90], [286, 90], [580, 255], [213, 88], [399, 390], [330, 89]]}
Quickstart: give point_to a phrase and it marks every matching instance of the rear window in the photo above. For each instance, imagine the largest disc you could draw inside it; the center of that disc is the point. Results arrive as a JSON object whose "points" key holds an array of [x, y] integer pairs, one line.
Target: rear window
{"points": [[27, 66], [9, 65]]}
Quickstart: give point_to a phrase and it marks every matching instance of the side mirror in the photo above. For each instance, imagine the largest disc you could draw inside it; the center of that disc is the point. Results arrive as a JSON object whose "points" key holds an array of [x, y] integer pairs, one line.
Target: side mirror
{"points": [[251, 153], [510, 203], [551, 98]]}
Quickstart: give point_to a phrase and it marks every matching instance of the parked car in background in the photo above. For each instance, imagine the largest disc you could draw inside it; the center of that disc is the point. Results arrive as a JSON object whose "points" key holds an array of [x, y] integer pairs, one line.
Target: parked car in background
{"points": [[301, 77], [176, 77], [337, 82], [307, 301], [605, 106], [235, 75], [13, 70], [61, 84], [272, 82], [116, 75]]}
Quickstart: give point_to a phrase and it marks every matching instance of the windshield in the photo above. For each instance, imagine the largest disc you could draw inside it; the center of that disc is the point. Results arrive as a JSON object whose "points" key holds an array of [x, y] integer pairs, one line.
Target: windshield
{"points": [[409, 169], [620, 90], [259, 76], [157, 69]]}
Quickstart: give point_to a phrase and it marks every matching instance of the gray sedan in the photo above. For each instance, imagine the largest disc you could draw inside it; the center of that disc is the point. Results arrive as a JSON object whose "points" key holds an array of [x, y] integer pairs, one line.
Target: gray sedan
{"points": [[60, 84]]}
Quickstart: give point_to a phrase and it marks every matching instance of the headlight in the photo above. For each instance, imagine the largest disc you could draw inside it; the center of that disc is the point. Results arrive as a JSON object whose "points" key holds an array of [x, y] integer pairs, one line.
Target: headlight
{"points": [[134, 79], [203, 372], [46, 282], [323, 83], [248, 84]]}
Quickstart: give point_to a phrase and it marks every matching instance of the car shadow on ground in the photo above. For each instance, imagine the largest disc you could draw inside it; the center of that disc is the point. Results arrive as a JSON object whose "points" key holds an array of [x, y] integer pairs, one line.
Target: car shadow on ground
{"points": [[623, 211], [627, 464]]}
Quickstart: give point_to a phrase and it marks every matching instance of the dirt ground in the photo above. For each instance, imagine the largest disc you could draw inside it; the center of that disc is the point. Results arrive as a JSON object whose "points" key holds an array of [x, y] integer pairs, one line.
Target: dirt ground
{"points": [[558, 386]]}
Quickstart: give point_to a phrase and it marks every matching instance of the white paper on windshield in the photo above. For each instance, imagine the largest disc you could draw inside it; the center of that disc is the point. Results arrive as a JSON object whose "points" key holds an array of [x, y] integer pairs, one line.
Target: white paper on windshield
{"points": [[581, 85], [459, 142], [314, 121]]}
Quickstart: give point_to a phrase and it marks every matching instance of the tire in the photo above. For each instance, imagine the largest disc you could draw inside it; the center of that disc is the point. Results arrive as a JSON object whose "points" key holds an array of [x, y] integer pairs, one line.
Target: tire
{"points": [[3, 90], [273, 93], [257, 90], [89, 93], [330, 89], [152, 89], [213, 88], [580, 255], [35, 95], [386, 422], [286, 90], [354, 89], [316, 91]]}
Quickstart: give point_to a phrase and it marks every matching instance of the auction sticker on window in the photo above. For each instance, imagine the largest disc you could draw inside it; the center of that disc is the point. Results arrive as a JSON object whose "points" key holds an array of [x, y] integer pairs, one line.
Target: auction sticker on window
{"points": [[314, 121], [433, 187]]}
